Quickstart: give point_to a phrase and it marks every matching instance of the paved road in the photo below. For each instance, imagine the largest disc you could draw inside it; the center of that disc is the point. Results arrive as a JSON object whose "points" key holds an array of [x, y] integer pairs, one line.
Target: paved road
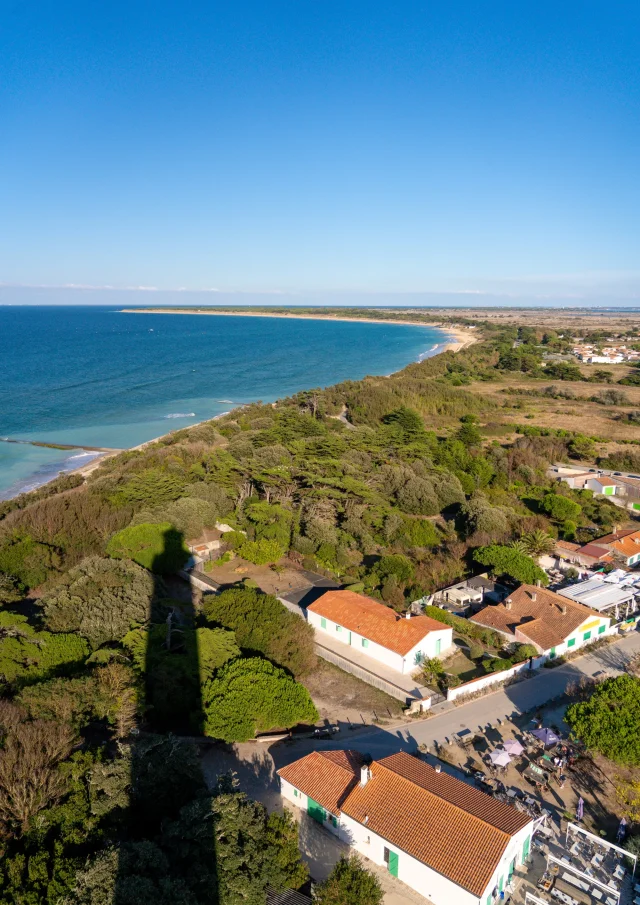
{"points": [[255, 765], [524, 696]]}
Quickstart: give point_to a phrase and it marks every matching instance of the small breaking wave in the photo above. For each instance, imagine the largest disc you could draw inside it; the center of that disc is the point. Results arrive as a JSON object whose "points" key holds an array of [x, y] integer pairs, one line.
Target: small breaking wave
{"points": [[181, 415]]}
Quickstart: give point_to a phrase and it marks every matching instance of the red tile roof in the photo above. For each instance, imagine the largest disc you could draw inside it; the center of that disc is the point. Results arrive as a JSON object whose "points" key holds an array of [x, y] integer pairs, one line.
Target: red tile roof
{"points": [[536, 615], [446, 824], [375, 621], [325, 776]]}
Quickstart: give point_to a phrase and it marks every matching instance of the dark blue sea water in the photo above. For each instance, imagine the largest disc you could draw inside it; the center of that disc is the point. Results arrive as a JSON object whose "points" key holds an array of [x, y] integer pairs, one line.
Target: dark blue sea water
{"points": [[96, 376]]}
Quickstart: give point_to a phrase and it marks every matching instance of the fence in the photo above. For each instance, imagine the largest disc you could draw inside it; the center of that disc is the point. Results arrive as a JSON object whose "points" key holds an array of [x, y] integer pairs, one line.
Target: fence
{"points": [[400, 694], [492, 678]]}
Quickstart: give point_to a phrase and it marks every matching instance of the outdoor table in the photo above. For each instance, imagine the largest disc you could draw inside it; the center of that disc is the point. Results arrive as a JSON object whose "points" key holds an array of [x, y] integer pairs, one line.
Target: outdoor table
{"points": [[619, 872], [596, 893], [512, 793], [597, 860], [568, 900], [611, 901], [575, 848], [575, 881]]}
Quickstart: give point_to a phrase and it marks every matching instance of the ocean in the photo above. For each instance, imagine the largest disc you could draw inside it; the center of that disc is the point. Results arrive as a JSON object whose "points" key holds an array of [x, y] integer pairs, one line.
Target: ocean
{"points": [[97, 377]]}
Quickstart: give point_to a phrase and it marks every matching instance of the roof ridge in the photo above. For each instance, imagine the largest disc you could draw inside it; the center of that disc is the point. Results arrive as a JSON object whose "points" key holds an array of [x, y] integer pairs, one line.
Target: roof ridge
{"points": [[439, 797], [323, 754]]}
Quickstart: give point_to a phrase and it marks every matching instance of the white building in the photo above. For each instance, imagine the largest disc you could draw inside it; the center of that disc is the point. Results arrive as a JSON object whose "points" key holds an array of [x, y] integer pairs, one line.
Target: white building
{"points": [[443, 838], [400, 642]]}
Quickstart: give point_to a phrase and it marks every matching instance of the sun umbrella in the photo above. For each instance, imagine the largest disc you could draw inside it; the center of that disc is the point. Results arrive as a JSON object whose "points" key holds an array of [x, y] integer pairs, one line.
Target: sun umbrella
{"points": [[513, 747], [546, 736], [580, 809], [500, 758]]}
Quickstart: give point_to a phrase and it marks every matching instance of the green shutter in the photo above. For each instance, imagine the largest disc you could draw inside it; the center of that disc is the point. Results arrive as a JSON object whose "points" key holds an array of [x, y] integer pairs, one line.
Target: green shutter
{"points": [[438, 646], [365, 642], [316, 811], [586, 636], [338, 628], [571, 642], [552, 653], [501, 884], [323, 622], [525, 848], [334, 821], [393, 864], [602, 629]]}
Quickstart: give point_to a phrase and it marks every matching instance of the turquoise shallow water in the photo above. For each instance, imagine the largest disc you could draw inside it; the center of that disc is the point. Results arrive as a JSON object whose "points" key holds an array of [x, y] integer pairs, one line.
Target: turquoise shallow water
{"points": [[95, 376]]}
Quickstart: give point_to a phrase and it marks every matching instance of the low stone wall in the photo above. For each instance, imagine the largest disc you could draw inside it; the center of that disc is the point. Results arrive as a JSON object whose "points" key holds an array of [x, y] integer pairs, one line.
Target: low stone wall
{"points": [[400, 694]]}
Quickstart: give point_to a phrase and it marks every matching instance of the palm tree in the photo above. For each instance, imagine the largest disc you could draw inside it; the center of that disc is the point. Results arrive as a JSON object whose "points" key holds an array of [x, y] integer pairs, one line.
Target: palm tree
{"points": [[535, 543]]}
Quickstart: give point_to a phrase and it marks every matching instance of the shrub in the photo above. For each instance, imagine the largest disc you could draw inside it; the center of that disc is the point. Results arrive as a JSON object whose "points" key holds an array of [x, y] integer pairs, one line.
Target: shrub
{"points": [[609, 721], [101, 599], [523, 652], [251, 696], [27, 655], [464, 627], [159, 548], [560, 507], [394, 565], [511, 562], [260, 552], [497, 664], [261, 623]]}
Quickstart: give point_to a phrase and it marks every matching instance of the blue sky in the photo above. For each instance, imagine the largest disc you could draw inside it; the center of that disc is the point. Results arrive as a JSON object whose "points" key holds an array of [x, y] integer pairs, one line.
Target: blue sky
{"points": [[416, 152]]}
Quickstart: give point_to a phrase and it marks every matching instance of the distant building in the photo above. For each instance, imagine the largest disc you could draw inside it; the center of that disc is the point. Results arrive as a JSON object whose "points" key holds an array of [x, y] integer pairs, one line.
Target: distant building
{"points": [[446, 840], [553, 624], [400, 642], [468, 596], [624, 545]]}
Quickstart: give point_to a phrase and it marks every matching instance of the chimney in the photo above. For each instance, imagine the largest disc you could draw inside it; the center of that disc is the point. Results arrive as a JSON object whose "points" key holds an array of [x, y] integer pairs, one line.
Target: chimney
{"points": [[366, 819], [438, 768], [563, 609], [408, 614], [538, 583], [508, 603], [533, 595], [365, 774]]}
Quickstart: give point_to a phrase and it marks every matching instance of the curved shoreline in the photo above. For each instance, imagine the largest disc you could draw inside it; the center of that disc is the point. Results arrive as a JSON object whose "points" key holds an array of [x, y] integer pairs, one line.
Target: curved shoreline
{"points": [[458, 338], [463, 337]]}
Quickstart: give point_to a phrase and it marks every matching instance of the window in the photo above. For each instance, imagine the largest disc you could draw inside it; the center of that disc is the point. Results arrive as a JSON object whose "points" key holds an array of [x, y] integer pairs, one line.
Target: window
{"points": [[571, 642], [295, 793], [586, 636], [602, 629], [365, 642], [338, 628], [323, 622]]}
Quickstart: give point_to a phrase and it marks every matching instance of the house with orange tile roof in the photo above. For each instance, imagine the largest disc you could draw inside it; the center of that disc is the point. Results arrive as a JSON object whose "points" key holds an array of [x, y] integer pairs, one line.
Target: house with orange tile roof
{"points": [[442, 837], [553, 624], [624, 545], [377, 631]]}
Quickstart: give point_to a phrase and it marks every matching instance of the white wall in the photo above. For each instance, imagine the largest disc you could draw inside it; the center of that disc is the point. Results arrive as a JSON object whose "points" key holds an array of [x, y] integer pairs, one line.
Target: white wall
{"points": [[300, 800], [406, 664], [429, 883], [428, 646], [594, 622], [513, 850]]}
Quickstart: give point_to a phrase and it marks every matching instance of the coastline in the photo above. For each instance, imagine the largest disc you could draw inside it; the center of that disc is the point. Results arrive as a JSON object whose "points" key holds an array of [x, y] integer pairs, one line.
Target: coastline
{"points": [[455, 339], [462, 336]]}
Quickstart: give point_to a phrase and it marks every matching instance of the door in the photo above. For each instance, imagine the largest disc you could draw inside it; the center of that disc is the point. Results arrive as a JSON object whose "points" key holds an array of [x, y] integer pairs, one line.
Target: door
{"points": [[392, 862], [512, 867], [438, 646], [316, 811], [525, 848]]}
